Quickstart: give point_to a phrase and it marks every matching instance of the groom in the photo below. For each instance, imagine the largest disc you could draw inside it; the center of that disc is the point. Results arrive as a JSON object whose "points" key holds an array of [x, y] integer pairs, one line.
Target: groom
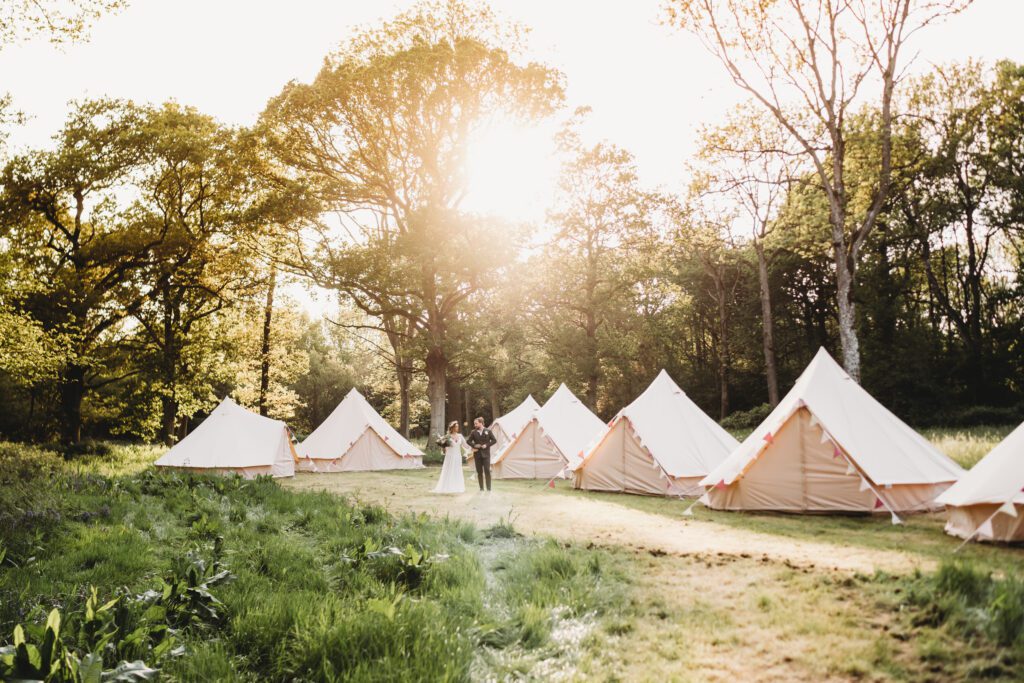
{"points": [[481, 439]]}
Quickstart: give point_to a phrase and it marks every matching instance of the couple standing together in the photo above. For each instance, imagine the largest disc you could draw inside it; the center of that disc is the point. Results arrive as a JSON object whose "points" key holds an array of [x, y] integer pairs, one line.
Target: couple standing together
{"points": [[479, 444]]}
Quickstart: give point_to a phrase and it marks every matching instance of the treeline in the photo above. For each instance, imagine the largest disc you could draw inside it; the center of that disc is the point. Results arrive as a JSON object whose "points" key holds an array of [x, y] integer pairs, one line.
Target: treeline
{"points": [[144, 255]]}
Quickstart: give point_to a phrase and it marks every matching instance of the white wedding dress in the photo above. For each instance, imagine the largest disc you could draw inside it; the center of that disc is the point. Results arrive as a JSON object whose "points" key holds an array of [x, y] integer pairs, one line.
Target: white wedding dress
{"points": [[452, 479]]}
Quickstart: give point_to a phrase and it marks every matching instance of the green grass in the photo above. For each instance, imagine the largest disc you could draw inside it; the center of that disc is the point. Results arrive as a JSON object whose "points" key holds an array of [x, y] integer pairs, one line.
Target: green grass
{"points": [[919, 534], [326, 588], [323, 588]]}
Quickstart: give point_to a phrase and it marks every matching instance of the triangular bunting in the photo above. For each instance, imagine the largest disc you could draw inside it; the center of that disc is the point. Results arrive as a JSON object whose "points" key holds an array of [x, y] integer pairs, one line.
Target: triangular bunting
{"points": [[878, 503], [705, 499], [814, 420], [551, 483], [720, 484], [850, 469], [1008, 508], [824, 436], [864, 485], [896, 520], [836, 453], [768, 437], [985, 530]]}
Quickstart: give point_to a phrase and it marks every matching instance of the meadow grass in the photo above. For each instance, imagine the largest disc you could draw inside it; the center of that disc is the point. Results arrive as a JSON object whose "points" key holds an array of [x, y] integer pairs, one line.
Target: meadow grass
{"points": [[321, 588], [326, 588]]}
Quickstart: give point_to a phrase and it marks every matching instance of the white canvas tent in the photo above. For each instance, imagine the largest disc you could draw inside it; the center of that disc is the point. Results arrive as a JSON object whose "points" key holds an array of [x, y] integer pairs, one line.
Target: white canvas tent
{"points": [[506, 427], [552, 442], [355, 438], [233, 440], [660, 444], [988, 502], [830, 447]]}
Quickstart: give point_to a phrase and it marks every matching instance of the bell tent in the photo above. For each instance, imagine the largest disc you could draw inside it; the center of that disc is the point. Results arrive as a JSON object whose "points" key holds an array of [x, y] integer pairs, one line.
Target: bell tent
{"points": [[830, 447], [355, 438], [233, 440], [552, 441], [660, 444], [508, 425], [988, 502]]}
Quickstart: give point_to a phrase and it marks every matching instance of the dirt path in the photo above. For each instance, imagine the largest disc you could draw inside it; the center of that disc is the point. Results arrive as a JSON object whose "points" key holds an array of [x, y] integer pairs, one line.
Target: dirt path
{"points": [[534, 510]]}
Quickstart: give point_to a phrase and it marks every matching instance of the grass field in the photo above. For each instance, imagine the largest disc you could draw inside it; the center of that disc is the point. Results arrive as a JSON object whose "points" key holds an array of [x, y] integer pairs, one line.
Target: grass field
{"points": [[378, 580]]}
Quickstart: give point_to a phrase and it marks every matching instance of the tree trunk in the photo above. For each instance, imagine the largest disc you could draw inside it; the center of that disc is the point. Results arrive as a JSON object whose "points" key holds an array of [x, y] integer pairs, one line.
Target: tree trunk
{"points": [[468, 405], [404, 381], [437, 377], [72, 392], [495, 408], [767, 325], [723, 348], [268, 317], [168, 419], [169, 400], [847, 310], [593, 362]]}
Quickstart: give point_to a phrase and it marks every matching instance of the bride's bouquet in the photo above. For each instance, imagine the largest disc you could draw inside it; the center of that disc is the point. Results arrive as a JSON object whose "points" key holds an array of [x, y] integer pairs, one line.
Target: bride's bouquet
{"points": [[444, 441]]}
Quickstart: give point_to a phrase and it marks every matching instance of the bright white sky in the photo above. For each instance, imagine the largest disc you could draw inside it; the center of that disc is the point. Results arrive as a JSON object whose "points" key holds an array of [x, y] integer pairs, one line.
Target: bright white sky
{"points": [[650, 87]]}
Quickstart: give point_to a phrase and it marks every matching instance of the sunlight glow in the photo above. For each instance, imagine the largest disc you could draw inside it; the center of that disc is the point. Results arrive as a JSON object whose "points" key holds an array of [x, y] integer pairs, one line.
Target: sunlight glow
{"points": [[512, 171]]}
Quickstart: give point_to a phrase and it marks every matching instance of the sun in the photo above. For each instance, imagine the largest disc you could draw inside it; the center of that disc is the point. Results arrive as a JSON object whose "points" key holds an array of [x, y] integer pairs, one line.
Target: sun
{"points": [[512, 170]]}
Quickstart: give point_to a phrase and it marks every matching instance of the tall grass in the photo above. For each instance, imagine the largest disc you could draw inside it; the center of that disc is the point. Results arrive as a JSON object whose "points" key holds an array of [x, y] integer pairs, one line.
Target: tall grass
{"points": [[966, 446], [322, 588]]}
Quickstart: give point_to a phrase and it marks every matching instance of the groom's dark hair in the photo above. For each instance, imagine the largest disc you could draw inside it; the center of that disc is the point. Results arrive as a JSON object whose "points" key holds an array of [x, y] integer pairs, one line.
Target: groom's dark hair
{"points": [[479, 419]]}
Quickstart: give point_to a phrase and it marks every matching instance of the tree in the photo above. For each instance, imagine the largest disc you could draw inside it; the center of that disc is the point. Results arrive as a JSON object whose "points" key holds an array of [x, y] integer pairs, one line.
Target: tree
{"points": [[950, 197], [60, 21], [381, 136], [602, 221], [60, 211], [748, 162], [195, 192], [809, 63]]}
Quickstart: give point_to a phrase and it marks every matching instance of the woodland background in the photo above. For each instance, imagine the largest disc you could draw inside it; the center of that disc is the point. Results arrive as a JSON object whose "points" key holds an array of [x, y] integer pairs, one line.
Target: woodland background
{"points": [[143, 256]]}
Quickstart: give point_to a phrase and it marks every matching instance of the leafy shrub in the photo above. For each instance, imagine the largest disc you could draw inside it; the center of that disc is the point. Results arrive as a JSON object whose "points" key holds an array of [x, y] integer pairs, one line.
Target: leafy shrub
{"points": [[184, 599], [747, 419], [86, 447], [49, 659]]}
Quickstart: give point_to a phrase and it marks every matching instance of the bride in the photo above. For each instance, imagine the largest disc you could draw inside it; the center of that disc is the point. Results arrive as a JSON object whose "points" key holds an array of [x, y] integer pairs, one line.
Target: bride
{"points": [[452, 480]]}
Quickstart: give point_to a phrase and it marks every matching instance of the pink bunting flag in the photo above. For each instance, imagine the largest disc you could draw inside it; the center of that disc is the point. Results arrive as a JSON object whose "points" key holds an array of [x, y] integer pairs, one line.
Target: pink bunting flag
{"points": [[720, 484], [768, 437], [551, 483], [835, 452], [878, 503]]}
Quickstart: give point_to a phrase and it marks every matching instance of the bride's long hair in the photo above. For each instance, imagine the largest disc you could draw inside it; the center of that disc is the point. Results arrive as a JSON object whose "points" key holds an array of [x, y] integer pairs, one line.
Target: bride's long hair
{"points": [[453, 427]]}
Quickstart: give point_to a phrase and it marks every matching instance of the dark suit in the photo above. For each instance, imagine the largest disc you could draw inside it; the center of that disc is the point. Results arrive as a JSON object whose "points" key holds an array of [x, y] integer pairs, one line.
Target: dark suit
{"points": [[481, 441]]}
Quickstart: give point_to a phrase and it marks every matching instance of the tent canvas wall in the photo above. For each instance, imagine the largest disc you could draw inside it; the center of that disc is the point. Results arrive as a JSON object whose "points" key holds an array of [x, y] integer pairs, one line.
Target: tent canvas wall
{"points": [[552, 442], [660, 444], [830, 447], [355, 438], [233, 440], [987, 503], [506, 427]]}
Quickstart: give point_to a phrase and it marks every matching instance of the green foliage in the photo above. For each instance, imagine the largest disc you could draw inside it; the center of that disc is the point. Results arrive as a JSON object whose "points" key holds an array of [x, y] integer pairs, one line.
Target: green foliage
{"points": [[51, 660], [319, 588], [747, 419]]}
